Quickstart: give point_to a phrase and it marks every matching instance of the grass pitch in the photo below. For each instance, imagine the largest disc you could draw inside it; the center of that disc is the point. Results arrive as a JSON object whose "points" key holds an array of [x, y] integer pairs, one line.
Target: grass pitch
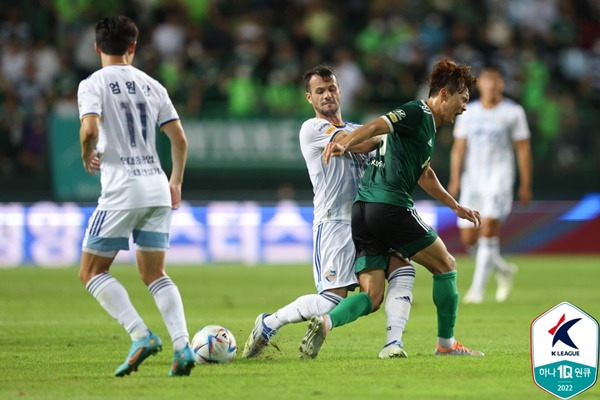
{"points": [[57, 343]]}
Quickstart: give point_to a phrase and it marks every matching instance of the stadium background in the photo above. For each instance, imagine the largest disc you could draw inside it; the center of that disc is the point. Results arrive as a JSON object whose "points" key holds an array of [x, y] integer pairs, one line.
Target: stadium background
{"points": [[234, 69]]}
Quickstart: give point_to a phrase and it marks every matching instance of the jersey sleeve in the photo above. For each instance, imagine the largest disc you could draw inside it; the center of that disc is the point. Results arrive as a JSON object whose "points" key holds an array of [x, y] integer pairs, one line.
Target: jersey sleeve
{"points": [[89, 99], [520, 128], [405, 120], [166, 112]]}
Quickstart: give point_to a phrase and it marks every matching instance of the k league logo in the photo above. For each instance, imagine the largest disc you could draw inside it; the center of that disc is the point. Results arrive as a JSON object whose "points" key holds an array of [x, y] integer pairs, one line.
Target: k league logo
{"points": [[564, 351]]}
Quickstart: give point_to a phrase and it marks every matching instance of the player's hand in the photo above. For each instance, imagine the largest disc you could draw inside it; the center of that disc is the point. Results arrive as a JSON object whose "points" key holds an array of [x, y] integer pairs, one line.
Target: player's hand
{"points": [[525, 195], [91, 164], [333, 149], [175, 196], [469, 215]]}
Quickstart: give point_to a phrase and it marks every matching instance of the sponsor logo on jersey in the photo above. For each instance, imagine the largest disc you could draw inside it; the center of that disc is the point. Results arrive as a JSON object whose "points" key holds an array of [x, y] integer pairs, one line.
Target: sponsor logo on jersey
{"points": [[330, 130], [396, 115], [430, 143]]}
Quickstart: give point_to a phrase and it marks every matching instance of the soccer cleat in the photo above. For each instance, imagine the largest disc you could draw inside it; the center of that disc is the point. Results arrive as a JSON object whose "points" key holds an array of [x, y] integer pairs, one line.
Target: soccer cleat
{"points": [[393, 350], [505, 282], [472, 297], [456, 350], [183, 362], [314, 338], [259, 338], [139, 351]]}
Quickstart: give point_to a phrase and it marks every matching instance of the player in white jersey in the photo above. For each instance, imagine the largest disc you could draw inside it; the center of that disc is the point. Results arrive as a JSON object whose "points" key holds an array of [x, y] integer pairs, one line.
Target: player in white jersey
{"points": [[335, 187], [482, 169], [120, 107]]}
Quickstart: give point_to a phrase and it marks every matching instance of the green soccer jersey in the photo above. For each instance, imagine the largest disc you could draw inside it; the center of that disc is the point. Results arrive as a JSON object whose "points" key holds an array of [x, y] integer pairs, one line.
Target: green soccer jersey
{"points": [[401, 157]]}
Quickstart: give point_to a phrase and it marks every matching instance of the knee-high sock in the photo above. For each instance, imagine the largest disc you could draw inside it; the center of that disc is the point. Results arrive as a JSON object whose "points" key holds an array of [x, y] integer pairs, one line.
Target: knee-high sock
{"points": [[302, 309], [350, 309], [499, 262], [445, 298], [484, 263], [398, 301], [168, 300], [113, 297]]}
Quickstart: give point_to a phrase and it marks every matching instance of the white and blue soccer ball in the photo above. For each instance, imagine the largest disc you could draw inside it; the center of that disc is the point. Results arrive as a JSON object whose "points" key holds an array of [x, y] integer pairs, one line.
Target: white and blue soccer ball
{"points": [[214, 344]]}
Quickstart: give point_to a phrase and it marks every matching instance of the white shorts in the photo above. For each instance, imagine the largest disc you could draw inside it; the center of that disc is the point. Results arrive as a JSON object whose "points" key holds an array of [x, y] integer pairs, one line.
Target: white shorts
{"points": [[333, 256], [490, 204], [109, 230]]}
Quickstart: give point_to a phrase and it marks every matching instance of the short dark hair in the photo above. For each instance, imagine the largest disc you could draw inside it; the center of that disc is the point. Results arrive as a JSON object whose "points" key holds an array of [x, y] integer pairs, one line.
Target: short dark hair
{"points": [[115, 34], [322, 70], [446, 73]]}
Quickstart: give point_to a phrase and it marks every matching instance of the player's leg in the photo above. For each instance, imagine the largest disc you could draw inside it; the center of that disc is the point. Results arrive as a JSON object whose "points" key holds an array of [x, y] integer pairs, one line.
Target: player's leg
{"points": [[487, 248], [504, 271], [371, 269], [332, 248], [151, 238], [468, 237], [442, 264], [398, 302], [107, 233], [333, 273], [348, 310]]}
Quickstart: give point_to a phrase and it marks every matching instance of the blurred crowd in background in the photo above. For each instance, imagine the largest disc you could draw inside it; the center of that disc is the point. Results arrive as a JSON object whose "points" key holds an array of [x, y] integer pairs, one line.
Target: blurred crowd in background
{"points": [[245, 59]]}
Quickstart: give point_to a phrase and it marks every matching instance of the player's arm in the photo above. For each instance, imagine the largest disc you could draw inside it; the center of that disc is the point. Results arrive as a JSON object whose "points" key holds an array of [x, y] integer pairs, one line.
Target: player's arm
{"points": [[524, 160], [88, 138], [457, 156], [357, 137], [361, 148], [431, 184], [176, 134]]}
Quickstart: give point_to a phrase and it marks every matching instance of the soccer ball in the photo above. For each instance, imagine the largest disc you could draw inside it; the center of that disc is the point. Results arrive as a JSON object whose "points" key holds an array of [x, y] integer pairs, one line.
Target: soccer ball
{"points": [[214, 344]]}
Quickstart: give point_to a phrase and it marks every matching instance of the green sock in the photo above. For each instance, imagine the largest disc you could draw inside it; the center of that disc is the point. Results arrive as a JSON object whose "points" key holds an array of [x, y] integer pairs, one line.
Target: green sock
{"points": [[445, 298], [350, 309]]}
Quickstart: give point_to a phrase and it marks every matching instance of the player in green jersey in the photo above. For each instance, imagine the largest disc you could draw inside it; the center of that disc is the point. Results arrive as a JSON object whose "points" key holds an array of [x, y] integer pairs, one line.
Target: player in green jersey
{"points": [[384, 221]]}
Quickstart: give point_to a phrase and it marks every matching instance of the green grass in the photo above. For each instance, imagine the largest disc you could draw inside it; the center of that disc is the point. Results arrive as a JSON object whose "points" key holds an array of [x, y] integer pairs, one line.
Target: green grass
{"points": [[57, 343]]}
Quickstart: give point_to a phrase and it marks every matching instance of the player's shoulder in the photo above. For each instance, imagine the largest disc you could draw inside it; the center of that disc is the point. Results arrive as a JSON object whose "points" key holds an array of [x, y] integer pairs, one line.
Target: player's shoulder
{"points": [[316, 125], [409, 112], [510, 104]]}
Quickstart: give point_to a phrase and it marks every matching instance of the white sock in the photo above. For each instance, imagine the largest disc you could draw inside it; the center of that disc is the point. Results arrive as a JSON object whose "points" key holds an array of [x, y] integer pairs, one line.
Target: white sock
{"points": [[113, 297], [484, 263], [302, 309], [398, 301], [167, 298], [472, 250], [499, 261], [446, 343]]}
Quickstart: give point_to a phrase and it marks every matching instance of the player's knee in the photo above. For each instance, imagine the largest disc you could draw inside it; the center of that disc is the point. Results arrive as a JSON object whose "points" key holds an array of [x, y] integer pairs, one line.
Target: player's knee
{"points": [[376, 300], [450, 262]]}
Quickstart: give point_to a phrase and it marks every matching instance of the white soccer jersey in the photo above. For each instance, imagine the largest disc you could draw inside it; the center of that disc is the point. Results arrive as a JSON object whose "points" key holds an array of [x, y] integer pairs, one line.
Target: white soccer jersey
{"points": [[131, 104], [334, 185], [489, 162]]}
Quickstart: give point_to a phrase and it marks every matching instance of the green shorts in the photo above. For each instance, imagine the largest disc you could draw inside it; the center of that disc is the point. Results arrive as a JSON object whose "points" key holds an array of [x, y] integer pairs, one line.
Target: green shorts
{"points": [[380, 229]]}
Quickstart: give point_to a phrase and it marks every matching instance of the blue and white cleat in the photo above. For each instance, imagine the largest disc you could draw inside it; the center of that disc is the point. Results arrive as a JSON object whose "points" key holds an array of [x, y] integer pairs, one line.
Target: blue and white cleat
{"points": [[139, 351], [259, 338], [393, 350], [183, 362]]}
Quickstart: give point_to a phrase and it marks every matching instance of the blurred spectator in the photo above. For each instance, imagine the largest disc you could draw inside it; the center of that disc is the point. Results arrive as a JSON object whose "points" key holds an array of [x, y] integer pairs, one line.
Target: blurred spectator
{"points": [[350, 77], [12, 122], [225, 58]]}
